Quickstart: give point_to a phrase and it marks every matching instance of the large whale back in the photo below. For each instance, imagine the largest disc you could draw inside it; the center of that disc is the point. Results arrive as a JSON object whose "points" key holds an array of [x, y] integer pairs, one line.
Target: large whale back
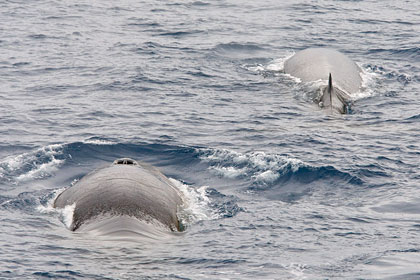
{"points": [[126, 188], [317, 63], [321, 64]]}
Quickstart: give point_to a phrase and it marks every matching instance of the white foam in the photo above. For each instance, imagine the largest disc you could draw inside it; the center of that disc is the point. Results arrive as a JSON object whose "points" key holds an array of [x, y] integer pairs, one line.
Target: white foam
{"points": [[41, 170], [276, 65], [196, 204], [295, 79], [297, 270], [228, 172], [295, 164], [261, 167], [267, 177], [369, 79], [66, 213], [258, 68], [38, 170], [98, 142], [13, 163]]}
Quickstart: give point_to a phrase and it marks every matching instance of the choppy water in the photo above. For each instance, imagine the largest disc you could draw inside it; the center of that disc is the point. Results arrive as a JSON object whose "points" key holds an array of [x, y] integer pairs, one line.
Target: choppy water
{"points": [[277, 187]]}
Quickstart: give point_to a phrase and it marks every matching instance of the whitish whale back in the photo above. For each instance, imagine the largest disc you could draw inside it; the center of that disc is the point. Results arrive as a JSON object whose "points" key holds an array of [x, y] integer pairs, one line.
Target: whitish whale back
{"points": [[317, 63]]}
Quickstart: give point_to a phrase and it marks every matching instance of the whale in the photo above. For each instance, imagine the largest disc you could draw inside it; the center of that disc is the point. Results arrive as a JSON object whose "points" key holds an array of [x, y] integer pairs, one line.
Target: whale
{"points": [[126, 196], [340, 73]]}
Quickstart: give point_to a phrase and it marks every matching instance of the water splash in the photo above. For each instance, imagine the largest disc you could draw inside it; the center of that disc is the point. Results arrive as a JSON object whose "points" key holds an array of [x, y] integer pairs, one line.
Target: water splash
{"points": [[369, 83], [197, 204], [65, 214], [275, 66]]}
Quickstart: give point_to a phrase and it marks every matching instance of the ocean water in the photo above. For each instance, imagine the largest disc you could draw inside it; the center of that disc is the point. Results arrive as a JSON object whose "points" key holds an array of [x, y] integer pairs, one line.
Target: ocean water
{"points": [[275, 187]]}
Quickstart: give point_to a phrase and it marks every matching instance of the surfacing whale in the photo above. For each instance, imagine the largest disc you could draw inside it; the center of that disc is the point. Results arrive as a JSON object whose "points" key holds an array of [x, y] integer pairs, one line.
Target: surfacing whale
{"points": [[342, 73], [127, 196]]}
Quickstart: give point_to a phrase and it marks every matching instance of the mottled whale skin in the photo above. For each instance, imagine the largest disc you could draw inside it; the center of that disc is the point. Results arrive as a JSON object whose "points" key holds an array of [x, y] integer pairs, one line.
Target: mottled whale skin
{"points": [[342, 73], [121, 195]]}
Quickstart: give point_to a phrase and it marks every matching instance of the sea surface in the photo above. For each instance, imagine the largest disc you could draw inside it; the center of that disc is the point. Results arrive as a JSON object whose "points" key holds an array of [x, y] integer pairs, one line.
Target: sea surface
{"points": [[274, 186]]}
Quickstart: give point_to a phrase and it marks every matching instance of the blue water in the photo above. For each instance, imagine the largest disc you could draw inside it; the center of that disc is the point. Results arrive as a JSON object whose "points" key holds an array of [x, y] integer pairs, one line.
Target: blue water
{"points": [[277, 187]]}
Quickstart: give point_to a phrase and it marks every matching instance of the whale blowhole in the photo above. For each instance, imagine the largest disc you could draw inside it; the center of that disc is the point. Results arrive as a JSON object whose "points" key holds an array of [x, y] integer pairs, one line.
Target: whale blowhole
{"points": [[125, 161]]}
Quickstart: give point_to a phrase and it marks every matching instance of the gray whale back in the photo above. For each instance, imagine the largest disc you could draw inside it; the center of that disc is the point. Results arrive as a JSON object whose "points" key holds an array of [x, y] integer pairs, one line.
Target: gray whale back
{"points": [[126, 188], [317, 63]]}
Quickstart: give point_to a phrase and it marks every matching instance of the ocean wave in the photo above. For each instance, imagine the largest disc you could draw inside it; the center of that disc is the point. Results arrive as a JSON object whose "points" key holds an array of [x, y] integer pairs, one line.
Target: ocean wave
{"points": [[179, 34], [25, 202], [265, 171], [94, 152], [377, 72], [415, 117], [409, 52], [242, 47], [259, 166], [242, 51], [38, 164]]}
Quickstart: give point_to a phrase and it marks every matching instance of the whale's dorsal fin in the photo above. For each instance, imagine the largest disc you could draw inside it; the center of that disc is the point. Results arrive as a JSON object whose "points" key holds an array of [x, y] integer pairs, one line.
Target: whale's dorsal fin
{"points": [[330, 89], [334, 98], [329, 83]]}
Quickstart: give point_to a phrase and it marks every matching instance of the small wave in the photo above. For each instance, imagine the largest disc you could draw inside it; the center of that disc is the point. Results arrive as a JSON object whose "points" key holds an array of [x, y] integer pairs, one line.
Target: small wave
{"points": [[22, 201], [62, 274], [38, 36], [234, 47], [38, 164], [27, 201], [373, 73], [99, 141], [180, 33], [409, 53], [272, 172], [248, 52], [47, 202], [200, 3], [261, 167], [406, 207], [413, 118], [41, 171]]}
